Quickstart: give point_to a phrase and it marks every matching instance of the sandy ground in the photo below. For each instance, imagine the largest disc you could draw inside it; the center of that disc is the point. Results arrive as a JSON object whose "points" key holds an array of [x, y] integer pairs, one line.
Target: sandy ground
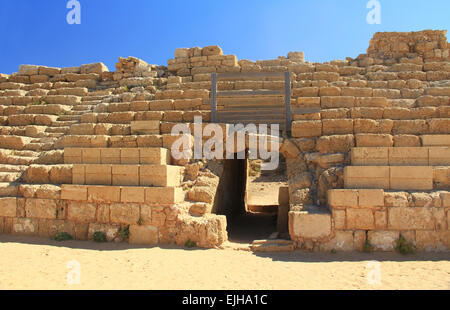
{"points": [[33, 263]]}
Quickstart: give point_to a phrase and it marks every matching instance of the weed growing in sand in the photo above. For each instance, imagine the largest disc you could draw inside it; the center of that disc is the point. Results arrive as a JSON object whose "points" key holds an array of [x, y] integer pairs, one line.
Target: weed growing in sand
{"points": [[124, 233], [404, 247], [63, 236], [99, 236], [190, 244]]}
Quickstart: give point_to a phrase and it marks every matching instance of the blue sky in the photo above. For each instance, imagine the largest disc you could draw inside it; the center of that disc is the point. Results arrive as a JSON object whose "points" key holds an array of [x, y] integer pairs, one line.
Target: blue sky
{"points": [[36, 31]]}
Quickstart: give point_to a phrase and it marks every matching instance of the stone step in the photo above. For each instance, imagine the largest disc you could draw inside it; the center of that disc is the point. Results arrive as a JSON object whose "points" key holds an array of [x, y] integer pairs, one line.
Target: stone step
{"points": [[69, 118], [119, 141], [10, 177], [117, 156], [63, 123], [63, 130], [12, 168], [9, 189], [124, 194], [401, 156], [83, 107], [395, 177], [127, 175], [273, 246]]}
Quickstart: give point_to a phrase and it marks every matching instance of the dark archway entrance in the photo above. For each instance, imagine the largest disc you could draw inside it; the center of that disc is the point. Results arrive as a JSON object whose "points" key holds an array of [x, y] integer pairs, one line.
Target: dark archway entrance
{"points": [[243, 225]]}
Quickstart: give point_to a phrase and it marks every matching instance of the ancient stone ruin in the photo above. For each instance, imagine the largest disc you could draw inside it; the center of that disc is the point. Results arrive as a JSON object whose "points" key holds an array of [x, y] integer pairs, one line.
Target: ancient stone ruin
{"points": [[365, 143]]}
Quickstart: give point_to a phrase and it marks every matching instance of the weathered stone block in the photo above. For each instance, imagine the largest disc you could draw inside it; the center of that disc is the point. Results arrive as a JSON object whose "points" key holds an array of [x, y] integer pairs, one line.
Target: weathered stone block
{"points": [[383, 240], [369, 198], [366, 177], [411, 178], [408, 156], [309, 226], [8, 207], [41, 208], [124, 213], [74, 192], [306, 129], [133, 194], [360, 219], [342, 198], [81, 212], [103, 194], [369, 156], [144, 235], [410, 219]]}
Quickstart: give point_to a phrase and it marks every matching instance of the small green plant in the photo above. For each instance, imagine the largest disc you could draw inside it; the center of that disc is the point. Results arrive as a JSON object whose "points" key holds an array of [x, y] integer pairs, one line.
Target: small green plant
{"points": [[63, 236], [99, 236], [42, 102], [124, 233], [190, 244], [404, 247], [367, 247], [333, 251]]}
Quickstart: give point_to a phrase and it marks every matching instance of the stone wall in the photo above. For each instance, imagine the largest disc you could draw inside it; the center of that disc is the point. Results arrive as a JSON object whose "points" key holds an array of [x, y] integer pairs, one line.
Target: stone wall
{"points": [[395, 96]]}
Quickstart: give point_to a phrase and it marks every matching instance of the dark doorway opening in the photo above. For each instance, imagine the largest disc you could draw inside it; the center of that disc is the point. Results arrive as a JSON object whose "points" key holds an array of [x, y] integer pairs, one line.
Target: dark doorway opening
{"points": [[243, 226]]}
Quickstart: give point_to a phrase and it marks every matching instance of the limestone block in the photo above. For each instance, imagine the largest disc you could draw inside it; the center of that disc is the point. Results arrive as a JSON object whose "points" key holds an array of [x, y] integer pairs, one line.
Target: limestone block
{"points": [[410, 219], [383, 240], [41, 208], [164, 195], [342, 198], [129, 156], [25, 226], [439, 156], [8, 207], [145, 127], [81, 212], [28, 70], [74, 192], [408, 156], [127, 175], [411, 178], [97, 68], [306, 129], [132, 194], [337, 126], [124, 213], [435, 140], [360, 219], [342, 241], [374, 140], [98, 174], [72, 156], [369, 198], [366, 177], [331, 102], [110, 156], [143, 235], [369, 156], [103, 194], [309, 225], [433, 240]]}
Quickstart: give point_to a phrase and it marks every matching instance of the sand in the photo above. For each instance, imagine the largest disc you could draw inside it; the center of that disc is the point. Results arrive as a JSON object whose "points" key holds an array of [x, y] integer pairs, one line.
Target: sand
{"points": [[36, 263]]}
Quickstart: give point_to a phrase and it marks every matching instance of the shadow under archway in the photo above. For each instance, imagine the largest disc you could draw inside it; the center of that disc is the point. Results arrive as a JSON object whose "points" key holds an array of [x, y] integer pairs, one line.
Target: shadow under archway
{"points": [[242, 226]]}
